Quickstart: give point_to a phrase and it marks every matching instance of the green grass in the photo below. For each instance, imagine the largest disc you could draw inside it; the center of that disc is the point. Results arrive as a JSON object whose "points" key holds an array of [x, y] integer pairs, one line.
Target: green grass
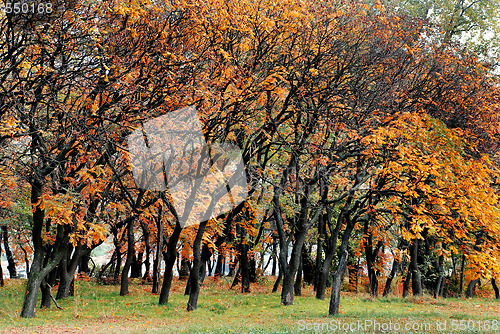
{"points": [[99, 309]]}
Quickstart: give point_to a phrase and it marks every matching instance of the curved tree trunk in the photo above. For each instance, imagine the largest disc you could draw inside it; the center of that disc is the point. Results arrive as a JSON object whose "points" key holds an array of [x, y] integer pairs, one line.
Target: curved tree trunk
{"points": [[341, 268], [193, 281], [8, 253], [38, 271], [169, 257], [495, 288], [157, 260], [415, 271], [390, 278], [128, 262], [469, 293]]}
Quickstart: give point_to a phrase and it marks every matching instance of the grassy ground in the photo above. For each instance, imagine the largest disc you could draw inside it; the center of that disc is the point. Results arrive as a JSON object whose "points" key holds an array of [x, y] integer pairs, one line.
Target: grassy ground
{"points": [[99, 309]]}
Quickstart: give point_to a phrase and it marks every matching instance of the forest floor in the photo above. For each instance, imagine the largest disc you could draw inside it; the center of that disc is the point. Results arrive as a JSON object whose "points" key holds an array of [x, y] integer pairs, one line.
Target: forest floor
{"points": [[98, 308]]}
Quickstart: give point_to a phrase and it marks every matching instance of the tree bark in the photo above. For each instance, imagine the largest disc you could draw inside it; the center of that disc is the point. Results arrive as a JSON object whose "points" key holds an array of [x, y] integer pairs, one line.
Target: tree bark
{"points": [[157, 260], [495, 288], [469, 293], [339, 273], [415, 271], [2, 283], [297, 287], [390, 278], [169, 257], [8, 253], [130, 253], [406, 283], [219, 267], [278, 281], [67, 269], [38, 271], [147, 245], [193, 280]]}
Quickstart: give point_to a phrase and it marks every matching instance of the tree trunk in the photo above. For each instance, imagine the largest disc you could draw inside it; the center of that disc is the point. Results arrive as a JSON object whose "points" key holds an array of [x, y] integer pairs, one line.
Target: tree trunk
{"points": [[67, 269], [278, 281], [406, 283], [331, 245], [2, 283], [371, 257], [205, 257], [415, 272], [38, 271], [159, 250], [440, 277], [471, 287], [46, 290], [8, 253], [232, 266], [495, 288], [390, 278], [244, 265], [290, 269], [297, 287], [169, 257], [136, 266], [339, 273], [219, 267], [275, 256], [462, 270], [184, 271], [147, 264], [193, 280], [128, 262]]}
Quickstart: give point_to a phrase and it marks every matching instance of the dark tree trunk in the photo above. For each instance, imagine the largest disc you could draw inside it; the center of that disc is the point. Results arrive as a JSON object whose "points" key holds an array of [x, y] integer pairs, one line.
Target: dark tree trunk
{"points": [[291, 267], [415, 271], [406, 283], [2, 283], [394, 270], [136, 266], [462, 270], [469, 293], [46, 290], [205, 257], [232, 266], [147, 264], [278, 281], [319, 251], [440, 277], [83, 266], [244, 265], [67, 269], [341, 268], [275, 256], [193, 280], [331, 245], [38, 271], [118, 259], [297, 287], [26, 259], [495, 288], [157, 260], [8, 253], [184, 272], [169, 257], [130, 253], [219, 267], [371, 257]]}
